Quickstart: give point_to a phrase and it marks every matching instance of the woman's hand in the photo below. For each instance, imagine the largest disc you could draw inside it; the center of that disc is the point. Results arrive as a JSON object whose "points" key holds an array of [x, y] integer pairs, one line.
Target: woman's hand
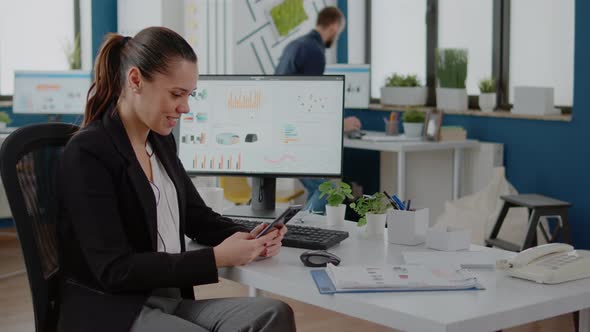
{"points": [[274, 247], [351, 123], [242, 248]]}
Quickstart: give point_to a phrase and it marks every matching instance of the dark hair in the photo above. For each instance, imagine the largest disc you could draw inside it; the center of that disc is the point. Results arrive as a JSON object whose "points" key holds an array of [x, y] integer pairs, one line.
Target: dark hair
{"points": [[152, 50], [328, 16]]}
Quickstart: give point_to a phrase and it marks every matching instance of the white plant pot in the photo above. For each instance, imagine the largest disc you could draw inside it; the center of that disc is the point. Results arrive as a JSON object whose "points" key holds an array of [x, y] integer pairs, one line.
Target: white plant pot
{"points": [[404, 96], [407, 227], [487, 102], [451, 99], [335, 214], [413, 129], [375, 224], [530, 100]]}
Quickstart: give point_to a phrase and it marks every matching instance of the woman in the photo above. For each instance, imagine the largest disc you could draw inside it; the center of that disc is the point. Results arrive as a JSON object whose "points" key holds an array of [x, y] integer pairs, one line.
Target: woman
{"points": [[127, 204]]}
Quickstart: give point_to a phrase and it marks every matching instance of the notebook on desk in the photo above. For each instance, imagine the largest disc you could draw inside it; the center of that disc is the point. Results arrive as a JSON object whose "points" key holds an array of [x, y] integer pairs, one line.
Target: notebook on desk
{"points": [[393, 278], [385, 138]]}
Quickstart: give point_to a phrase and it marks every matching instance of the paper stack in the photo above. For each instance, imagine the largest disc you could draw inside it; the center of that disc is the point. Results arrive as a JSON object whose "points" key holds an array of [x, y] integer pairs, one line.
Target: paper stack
{"points": [[391, 278], [452, 133]]}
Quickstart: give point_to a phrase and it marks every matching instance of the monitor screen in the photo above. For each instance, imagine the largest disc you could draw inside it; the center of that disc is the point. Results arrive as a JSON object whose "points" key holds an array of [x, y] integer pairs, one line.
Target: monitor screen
{"points": [[50, 92], [356, 90], [263, 125]]}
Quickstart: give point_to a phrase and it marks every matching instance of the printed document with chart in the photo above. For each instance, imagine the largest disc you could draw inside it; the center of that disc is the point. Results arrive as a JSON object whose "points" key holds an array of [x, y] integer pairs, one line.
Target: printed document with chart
{"points": [[390, 278]]}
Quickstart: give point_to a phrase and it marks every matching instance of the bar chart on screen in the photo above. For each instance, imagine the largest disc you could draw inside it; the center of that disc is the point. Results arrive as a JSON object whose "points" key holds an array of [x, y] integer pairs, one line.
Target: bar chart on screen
{"points": [[247, 100], [223, 161]]}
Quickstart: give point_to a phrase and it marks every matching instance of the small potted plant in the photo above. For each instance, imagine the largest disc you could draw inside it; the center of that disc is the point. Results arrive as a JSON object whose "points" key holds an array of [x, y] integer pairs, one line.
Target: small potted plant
{"points": [[335, 194], [451, 72], [413, 122], [487, 98], [403, 90], [4, 119], [372, 210], [73, 54]]}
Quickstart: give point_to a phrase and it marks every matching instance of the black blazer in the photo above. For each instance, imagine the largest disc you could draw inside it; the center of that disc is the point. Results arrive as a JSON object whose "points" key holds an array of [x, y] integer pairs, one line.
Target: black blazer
{"points": [[108, 230]]}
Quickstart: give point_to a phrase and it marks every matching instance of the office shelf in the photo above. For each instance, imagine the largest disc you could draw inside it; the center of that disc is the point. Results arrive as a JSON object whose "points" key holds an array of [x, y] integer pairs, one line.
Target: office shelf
{"points": [[495, 114]]}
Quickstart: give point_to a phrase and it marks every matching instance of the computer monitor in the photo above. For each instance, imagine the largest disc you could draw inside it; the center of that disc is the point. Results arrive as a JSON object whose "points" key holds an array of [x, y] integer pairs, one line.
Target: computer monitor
{"points": [[357, 78], [265, 127], [50, 92]]}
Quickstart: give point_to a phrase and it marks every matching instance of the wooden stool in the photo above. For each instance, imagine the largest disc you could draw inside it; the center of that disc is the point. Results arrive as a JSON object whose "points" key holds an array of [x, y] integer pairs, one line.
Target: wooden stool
{"points": [[539, 206]]}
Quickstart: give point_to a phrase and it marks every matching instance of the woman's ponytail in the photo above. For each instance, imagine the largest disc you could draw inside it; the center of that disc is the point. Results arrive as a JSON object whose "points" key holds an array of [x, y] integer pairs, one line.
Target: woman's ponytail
{"points": [[106, 87]]}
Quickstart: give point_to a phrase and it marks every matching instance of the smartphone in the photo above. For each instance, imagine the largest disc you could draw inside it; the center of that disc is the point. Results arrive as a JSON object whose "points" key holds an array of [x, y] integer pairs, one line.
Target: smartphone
{"points": [[281, 220]]}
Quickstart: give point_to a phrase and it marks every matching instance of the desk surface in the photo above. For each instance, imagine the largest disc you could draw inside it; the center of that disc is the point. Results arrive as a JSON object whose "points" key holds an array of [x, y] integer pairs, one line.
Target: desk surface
{"points": [[398, 146], [505, 302]]}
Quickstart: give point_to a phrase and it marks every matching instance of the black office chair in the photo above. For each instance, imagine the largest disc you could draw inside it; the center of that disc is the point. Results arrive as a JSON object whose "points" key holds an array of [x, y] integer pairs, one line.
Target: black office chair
{"points": [[28, 165]]}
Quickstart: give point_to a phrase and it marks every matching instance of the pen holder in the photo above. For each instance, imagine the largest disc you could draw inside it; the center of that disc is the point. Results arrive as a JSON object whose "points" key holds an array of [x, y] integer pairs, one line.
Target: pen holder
{"points": [[407, 227], [391, 128]]}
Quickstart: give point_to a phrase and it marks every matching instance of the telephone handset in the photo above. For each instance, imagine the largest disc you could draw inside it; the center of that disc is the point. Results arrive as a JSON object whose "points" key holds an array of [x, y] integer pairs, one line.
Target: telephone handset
{"points": [[551, 263]]}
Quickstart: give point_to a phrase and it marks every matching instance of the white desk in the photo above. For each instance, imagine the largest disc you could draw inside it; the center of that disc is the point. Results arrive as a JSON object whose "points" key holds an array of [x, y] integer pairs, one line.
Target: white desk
{"points": [[401, 148], [506, 301]]}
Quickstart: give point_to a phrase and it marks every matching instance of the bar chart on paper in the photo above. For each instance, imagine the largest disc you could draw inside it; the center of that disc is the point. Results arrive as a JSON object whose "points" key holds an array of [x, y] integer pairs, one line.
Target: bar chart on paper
{"points": [[223, 161]]}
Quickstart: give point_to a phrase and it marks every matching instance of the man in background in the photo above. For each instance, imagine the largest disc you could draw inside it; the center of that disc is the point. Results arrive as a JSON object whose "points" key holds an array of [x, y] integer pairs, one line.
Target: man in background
{"points": [[306, 56]]}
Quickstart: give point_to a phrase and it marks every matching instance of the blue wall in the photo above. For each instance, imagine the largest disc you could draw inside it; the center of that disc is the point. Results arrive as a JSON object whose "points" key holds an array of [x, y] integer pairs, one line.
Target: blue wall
{"points": [[104, 20], [544, 157]]}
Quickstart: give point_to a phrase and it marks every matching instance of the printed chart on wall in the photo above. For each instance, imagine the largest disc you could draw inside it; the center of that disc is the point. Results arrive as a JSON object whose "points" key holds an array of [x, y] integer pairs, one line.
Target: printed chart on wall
{"points": [[274, 126]]}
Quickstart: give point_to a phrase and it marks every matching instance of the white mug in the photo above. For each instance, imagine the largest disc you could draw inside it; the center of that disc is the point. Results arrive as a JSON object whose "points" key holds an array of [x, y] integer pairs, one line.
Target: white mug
{"points": [[213, 197]]}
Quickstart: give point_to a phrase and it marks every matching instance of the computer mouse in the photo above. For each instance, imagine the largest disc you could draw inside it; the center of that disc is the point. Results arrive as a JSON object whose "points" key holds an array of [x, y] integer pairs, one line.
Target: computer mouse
{"points": [[355, 134], [318, 258]]}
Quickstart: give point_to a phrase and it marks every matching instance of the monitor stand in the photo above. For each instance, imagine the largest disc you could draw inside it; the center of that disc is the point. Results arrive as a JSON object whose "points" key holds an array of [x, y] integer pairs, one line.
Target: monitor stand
{"points": [[263, 201]]}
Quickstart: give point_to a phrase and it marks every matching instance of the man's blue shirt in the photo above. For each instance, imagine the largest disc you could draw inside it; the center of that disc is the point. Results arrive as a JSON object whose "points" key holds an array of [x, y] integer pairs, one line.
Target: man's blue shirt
{"points": [[303, 56]]}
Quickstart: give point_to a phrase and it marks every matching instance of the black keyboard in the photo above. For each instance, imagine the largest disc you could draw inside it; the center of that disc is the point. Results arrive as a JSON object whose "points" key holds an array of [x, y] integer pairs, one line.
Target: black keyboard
{"points": [[302, 236]]}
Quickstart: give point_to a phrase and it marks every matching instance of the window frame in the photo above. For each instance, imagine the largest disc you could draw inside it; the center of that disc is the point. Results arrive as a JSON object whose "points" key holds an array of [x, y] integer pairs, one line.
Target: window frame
{"points": [[501, 20], [77, 32]]}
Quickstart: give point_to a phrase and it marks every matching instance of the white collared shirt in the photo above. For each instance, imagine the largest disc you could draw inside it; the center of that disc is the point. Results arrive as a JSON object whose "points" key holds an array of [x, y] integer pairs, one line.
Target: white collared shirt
{"points": [[166, 205]]}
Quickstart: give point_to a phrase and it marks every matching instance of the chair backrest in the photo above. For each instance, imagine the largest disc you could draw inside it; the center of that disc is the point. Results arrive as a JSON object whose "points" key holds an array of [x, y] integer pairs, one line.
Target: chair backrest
{"points": [[29, 162]]}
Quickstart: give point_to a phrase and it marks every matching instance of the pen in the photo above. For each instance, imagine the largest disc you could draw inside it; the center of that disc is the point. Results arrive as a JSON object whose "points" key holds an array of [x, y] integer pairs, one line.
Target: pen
{"points": [[408, 206], [392, 202], [398, 202]]}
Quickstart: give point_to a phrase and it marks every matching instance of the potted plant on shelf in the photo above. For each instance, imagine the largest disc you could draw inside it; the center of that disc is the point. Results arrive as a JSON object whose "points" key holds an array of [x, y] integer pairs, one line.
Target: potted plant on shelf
{"points": [[403, 90], [73, 53], [487, 98], [4, 119], [372, 210], [335, 194], [451, 72], [413, 122]]}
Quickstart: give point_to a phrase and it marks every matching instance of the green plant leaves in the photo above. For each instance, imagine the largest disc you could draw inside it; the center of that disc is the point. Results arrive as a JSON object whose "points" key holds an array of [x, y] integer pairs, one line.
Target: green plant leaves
{"points": [[5, 118], [413, 116], [375, 204], [487, 85], [336, 193], [362, 222], [397, 80], [451, 67]]}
